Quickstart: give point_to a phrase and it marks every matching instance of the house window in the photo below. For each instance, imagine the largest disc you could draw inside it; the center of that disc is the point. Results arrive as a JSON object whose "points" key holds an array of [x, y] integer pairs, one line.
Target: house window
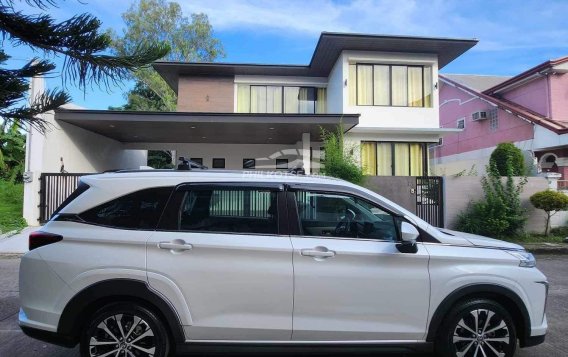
{"points": [[197, 160], [460, 123], [390, 85], [249, 164], [282, 164], [493, 120], [280, 99], [218, 163], [394, 158]]}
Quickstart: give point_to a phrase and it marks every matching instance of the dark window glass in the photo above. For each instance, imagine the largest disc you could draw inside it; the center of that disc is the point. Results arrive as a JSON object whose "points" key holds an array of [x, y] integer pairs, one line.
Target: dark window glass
{"points": [[337, 215], [218, 163], [282, 164], [198, 160], [138, 210], [231, 210], [249, 163]]}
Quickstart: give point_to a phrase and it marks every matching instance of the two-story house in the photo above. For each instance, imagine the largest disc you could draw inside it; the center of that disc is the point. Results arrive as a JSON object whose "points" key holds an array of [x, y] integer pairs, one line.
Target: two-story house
{"points": [[529, 110], [381, 90]]}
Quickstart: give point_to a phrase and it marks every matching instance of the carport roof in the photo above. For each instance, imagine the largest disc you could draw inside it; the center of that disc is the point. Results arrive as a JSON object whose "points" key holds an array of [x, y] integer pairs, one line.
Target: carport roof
{"points": [[217, 128]]}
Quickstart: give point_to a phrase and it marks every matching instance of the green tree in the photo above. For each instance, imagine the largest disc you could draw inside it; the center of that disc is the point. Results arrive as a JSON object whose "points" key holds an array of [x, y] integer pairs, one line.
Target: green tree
{"points": [[12, 151], [507, 152], [499, 214], [190, 39], [338, 160], [550, 202], [81, 45]]}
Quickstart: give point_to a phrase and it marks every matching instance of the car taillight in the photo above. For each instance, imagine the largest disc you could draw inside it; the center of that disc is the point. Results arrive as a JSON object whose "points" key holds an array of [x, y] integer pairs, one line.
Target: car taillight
{"points": [[39, 239]]}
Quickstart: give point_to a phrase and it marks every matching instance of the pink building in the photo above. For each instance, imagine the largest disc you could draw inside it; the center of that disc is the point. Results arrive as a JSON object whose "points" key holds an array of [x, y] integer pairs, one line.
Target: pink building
{"points": [[529, 110]]}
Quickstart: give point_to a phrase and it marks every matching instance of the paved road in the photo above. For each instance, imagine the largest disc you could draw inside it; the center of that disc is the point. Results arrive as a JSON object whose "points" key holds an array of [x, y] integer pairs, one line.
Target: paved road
{"points": [[14, 343]]}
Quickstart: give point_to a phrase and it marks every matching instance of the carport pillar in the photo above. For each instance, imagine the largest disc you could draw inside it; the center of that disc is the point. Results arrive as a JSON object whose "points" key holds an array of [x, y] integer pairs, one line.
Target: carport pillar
{"points": [[306, 143]]}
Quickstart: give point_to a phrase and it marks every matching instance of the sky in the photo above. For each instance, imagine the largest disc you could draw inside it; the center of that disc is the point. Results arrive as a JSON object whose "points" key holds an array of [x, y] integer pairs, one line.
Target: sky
{"points": [[513, 35]]}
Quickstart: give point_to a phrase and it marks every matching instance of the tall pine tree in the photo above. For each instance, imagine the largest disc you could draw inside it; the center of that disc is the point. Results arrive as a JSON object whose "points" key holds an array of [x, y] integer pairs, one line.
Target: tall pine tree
{"points": [[81, 44]]}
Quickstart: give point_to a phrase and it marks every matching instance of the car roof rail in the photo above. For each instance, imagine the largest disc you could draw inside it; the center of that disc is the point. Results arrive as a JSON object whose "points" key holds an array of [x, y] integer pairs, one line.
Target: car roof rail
{"points": [[186, 164]]}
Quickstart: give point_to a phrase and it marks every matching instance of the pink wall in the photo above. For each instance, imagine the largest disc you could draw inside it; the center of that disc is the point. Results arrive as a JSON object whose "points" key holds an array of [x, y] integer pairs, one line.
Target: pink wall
{"points": [[559, 95], [477, 134], [533, 95]]}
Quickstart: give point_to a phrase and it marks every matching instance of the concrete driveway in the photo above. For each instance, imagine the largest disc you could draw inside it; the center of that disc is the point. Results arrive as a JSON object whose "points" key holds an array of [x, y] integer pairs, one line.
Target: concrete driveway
{"points": [[14, 343]]}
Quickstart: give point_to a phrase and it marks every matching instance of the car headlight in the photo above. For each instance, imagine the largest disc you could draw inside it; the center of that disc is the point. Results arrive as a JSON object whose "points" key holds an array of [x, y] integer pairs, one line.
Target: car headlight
{"points": [[526, 259]]}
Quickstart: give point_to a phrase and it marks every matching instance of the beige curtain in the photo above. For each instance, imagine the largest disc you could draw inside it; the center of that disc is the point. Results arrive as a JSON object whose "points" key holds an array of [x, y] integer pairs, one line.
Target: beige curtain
{"points": [[381, 83], [321, 101], [243, 98], [369, 157], [352, 84], [384, 159], [428, 87], [258, 99], [415, 86], [305, 105], [401, 159], [291, 103], [399, 86], [364, 85], [416, 159], [274, 99]]}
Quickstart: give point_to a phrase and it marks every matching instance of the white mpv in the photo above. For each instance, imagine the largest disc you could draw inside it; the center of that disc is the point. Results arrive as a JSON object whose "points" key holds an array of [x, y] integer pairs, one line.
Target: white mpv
{"points": [[152, 263]]}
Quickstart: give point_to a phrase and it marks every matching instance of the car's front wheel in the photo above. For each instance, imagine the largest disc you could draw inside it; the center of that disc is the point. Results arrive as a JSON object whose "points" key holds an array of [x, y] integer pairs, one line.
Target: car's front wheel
{"points": [[478, 327], [124, 329]]}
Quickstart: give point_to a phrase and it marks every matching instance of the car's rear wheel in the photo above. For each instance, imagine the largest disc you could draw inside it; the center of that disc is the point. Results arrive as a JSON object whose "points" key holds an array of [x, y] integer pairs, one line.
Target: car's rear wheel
{"points": [[122, 329], [480, 328]]}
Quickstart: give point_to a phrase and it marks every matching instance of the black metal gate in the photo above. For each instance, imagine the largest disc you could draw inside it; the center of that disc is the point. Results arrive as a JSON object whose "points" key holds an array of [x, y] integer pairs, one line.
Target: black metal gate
{"points": [[430, 199], [54, 189]]}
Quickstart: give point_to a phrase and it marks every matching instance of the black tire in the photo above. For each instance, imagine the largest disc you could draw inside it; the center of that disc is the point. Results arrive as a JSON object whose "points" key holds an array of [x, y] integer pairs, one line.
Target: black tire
{"points": [[133, 327], [456, 332]]}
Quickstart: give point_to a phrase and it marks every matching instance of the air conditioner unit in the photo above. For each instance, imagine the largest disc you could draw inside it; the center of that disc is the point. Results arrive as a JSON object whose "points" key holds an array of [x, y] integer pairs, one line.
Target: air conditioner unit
{"points": [[482, 115]]}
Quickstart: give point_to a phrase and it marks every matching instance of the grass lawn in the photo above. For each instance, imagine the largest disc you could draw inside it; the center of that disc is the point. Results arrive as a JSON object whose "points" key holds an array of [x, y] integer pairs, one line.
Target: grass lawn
{"points": [[11, 204]]}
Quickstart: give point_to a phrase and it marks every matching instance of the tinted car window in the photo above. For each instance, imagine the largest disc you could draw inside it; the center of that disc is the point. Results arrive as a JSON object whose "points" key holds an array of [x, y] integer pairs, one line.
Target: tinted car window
{"points": [[338, 215], [231, 210], [138, 210]]}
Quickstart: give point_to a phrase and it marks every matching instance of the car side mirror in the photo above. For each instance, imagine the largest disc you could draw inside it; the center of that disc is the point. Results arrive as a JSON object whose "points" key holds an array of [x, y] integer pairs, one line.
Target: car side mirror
{"points": [[408, 236]]}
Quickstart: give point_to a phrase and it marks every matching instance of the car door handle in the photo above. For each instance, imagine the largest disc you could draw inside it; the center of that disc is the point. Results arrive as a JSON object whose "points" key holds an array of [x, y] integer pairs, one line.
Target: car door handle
{"points": [[175, 246], [317, 253]]}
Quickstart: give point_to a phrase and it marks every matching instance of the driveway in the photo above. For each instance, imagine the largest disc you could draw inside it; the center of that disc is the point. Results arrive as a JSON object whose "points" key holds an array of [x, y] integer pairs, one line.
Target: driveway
{"points": [[14, 343]]}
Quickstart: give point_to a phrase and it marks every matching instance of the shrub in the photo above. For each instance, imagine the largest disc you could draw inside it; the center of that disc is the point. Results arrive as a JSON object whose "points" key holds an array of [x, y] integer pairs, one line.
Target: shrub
{"points": [[500, 213], [338, 160], [506, 153], [550, 202]]}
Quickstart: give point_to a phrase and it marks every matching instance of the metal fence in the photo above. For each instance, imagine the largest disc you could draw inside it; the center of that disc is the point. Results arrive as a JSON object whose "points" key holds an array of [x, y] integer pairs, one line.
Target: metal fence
{"points": [[54, 189], [430, 199]]}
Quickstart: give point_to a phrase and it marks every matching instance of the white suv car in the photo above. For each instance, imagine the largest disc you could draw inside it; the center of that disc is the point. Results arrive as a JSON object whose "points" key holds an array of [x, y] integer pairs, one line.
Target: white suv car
{"points": [[149, 263]]}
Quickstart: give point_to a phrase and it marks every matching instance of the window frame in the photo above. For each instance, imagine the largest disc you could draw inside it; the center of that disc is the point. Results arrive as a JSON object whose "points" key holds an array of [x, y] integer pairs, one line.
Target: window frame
{"points": [[253, 164], [198, 160], [282, 160], [170, 216], [462, 119], [295, 220], [390, 65], [218, 158], [425, 163], [283, 111]]}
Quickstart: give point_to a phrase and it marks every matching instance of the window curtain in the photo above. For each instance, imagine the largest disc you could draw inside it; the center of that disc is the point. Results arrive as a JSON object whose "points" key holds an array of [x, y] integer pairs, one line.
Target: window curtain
{"points": [[321, 101], [307, 99], [381, 83], [258, 99], [291, 100], [243, 98], [401, 159], [428, 87], [352, 84], [364, 85], [274, 99], [416, 159], [384, 159], [369, 157], [415, 87], [399, 86]]}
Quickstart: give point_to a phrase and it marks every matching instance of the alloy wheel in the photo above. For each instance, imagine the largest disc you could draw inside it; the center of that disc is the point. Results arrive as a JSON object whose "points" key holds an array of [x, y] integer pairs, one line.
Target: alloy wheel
{"points": [[481, 333], [122, 335]]}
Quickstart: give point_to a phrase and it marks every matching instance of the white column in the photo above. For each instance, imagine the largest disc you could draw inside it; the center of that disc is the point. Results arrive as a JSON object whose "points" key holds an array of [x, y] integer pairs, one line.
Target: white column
{"points": [[306, 143]]}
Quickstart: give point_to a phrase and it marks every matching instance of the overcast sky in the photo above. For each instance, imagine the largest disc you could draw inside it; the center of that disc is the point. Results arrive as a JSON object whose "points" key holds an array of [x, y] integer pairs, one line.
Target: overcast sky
{"points": [[513, 35]]}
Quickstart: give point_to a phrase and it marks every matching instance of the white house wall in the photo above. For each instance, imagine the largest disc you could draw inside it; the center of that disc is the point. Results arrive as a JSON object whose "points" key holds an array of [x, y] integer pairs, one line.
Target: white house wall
{"points": [[335, 88]]}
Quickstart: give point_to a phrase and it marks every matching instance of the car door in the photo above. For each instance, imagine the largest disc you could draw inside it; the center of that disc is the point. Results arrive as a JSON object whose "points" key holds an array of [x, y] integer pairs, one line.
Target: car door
{"points": [[351, 282], [223, 247]]}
